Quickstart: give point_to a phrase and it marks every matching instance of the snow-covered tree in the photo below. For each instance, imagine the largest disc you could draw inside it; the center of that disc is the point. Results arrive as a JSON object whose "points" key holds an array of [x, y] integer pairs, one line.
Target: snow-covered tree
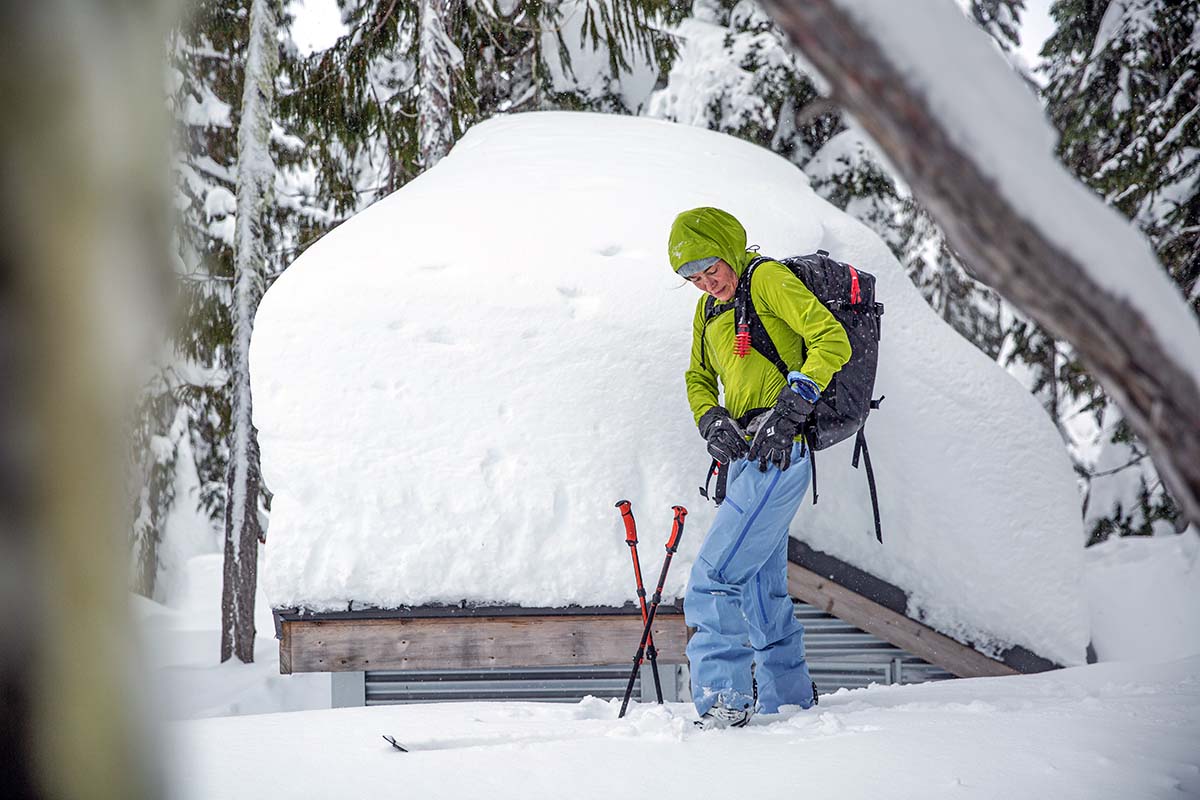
{"points": [[970, 307], [437, 60], [181, 440], [252, 238], [1112, 319], [736, 74], [1000, 18], [1123, 89], [394, 93], [189, 373], [154, 463]]}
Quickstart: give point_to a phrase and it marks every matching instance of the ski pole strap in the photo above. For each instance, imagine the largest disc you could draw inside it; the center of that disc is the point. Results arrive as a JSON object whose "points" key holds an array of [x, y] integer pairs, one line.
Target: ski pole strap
{"points": [[630, 525], [860, 446]]}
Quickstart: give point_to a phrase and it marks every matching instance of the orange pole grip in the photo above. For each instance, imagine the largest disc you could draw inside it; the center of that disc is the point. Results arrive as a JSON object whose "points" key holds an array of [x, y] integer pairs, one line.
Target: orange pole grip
{"points": [[676, 528], [627, 518]]}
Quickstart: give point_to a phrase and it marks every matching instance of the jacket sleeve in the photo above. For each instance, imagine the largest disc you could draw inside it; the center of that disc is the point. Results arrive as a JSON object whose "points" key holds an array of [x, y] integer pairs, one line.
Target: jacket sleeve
{"points": [[701, 380], [784, 295]]}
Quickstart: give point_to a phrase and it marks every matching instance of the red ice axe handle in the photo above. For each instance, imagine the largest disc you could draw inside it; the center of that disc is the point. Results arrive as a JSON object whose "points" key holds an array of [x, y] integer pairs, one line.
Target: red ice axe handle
{"points": [[630, 525], [676, 528]]}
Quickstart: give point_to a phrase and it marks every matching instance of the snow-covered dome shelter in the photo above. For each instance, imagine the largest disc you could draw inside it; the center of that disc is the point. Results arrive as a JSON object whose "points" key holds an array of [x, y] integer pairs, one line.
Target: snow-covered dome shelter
{"points": [[453, 387]]}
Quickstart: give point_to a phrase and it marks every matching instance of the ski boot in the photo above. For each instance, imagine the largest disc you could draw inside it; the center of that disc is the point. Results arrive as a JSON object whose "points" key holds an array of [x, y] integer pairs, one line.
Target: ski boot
{"points": [[722, 716]]}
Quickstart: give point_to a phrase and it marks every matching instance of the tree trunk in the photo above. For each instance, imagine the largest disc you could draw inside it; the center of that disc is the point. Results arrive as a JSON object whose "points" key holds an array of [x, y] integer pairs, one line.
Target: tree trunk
{"points": [[435, 123], [82, 247], [1157, 393], [256, 177]]}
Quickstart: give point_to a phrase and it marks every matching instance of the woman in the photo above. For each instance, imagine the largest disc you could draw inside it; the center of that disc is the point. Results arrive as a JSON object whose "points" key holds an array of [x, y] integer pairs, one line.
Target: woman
{"points": [[737, 591]]}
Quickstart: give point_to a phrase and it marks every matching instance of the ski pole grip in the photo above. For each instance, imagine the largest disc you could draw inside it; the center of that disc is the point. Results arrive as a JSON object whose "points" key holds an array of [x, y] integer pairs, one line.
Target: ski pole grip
{"points": [[676, 528], [627, 518]]}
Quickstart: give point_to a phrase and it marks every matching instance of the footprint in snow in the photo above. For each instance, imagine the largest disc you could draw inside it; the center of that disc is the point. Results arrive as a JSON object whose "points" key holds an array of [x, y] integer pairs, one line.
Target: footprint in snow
{"points": [[439, 336]]}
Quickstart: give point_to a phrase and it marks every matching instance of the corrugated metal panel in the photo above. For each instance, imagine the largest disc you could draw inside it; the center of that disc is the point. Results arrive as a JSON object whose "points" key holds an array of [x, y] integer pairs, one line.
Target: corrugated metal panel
{"points": [[839, 655], [568, 684]]}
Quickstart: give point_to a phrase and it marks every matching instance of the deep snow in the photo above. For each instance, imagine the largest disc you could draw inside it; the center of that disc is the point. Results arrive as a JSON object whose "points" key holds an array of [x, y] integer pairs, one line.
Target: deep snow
{"points": [[1144, 595], [181, 643], [1103, 731], [453, 388]]}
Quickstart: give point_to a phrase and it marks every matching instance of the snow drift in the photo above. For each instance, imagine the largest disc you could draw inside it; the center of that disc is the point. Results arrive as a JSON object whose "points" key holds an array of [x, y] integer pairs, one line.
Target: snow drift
{"points": [[453, 388]]}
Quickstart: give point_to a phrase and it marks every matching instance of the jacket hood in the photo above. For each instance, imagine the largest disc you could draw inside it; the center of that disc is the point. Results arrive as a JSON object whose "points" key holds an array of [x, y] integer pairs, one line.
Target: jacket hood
{"points": [[705, 232]]}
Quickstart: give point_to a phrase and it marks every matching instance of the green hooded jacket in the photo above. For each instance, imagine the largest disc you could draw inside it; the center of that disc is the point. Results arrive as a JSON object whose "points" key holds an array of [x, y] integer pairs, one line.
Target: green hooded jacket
{"points": [[808, 337]]}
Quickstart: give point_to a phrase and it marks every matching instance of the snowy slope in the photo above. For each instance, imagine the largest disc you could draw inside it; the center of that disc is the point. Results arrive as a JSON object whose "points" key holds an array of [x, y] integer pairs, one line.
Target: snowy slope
{"points": [[454, 387], [1103, 731]]}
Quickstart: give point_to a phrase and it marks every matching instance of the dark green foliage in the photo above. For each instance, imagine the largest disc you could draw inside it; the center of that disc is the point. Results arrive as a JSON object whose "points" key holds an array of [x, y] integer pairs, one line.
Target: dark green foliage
{"points": [[356, 103], [1122, 89], [355, 106], [968, 306], [1136, 513]]}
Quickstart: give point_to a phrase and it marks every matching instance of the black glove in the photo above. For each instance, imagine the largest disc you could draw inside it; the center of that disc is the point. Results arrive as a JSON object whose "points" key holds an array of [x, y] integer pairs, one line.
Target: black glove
{"points": [[773, 441], [726, 439]]}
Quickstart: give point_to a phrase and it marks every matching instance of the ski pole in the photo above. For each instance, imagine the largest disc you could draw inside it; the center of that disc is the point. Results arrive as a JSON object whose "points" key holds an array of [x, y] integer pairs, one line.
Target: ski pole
{"points": [[631, 540], [672, 546]]}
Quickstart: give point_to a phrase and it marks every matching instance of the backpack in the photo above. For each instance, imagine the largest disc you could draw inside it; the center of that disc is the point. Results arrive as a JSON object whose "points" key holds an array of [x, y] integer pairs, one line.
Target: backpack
{"points": [[842, 411]]}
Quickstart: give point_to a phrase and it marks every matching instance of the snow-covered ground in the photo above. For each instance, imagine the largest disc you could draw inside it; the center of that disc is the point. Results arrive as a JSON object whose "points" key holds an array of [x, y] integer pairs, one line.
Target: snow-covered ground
{"points": [[182, 645], [1102, 731], [1144, 594], [1114, 730]]}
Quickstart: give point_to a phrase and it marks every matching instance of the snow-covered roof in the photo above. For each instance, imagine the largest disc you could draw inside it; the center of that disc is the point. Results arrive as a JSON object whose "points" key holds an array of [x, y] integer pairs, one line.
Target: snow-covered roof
{"points": [[454, 387]]}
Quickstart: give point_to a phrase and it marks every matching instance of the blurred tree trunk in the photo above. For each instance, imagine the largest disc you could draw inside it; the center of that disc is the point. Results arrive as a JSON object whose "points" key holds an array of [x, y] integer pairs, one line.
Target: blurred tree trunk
{"points": [[1157, 394], [82, 253], [255, 193]]}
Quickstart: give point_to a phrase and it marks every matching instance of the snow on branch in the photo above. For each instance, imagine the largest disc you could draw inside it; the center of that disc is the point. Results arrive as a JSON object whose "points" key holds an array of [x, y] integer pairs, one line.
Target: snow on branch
{"points": [[970, 139]]}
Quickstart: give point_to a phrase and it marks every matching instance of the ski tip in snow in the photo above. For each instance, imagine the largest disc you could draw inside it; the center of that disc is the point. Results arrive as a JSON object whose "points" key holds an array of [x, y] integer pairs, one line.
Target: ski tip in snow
{"points": [[392, 741]]}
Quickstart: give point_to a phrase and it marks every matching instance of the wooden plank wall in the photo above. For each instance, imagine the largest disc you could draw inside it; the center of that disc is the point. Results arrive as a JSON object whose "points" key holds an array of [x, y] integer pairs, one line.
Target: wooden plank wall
{"points": [[472, 642]]}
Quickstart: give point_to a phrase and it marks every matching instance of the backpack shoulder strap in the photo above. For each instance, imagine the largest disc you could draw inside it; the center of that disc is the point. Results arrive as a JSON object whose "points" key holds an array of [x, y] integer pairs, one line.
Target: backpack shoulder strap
{"points": [[760, 340], [712, 309]]}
